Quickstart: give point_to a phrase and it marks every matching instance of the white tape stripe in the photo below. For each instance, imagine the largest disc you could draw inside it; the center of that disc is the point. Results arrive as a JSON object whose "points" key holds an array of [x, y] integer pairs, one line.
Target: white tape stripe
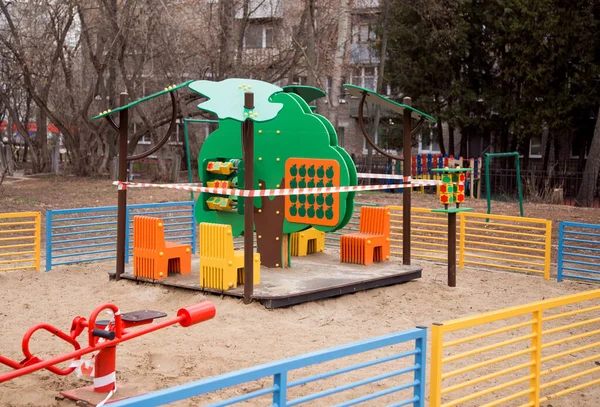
{"points": [[280, 192], [367, 175], [105, 380], [108, 396]]}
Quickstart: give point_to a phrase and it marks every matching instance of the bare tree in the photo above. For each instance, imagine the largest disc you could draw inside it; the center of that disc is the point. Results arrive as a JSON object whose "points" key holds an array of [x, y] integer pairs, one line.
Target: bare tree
{"points": [[588, 188]]}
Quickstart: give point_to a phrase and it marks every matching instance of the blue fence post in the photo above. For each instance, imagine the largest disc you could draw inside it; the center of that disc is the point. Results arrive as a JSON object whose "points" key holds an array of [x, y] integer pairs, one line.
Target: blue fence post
{"points": [[127, 235], [194, 228], [280, 395], [561, 235], [48, 240], [421, 360]]}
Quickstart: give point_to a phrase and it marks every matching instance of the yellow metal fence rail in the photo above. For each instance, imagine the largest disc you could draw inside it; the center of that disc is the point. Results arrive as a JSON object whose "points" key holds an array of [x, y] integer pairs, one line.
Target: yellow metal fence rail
{"points": [[429, 233], [525, 355], [20, 241], [505, 242]]}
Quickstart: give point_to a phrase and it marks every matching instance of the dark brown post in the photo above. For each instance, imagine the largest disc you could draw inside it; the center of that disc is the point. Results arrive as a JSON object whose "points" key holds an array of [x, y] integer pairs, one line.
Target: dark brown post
{"points": [[122, 194], [407, 191], [451, 249], [248, 155]]}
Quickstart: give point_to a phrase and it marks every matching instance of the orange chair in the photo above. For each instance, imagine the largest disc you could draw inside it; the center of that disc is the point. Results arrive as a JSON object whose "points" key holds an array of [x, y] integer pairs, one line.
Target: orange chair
{"points": [[153, 257], [372, 242]]}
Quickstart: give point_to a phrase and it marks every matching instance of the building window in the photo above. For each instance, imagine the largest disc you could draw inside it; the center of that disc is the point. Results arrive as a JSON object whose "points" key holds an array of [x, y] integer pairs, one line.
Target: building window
{"points": [[147, 139], [177, 137], [365, 77], [366, 3], [535, 147], [363, 33], [428, 143], [258, 36]]}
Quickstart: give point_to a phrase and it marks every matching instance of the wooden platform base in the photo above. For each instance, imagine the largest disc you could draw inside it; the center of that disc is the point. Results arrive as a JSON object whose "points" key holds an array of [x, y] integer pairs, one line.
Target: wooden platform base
{"points": [[311, 278]]}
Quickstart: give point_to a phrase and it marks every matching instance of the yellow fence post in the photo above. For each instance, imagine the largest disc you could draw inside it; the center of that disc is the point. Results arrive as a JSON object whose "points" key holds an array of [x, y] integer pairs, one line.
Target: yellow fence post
{"points": [[435, 371], [38, 241], [536, 356], [462, 237], [548, 253]]}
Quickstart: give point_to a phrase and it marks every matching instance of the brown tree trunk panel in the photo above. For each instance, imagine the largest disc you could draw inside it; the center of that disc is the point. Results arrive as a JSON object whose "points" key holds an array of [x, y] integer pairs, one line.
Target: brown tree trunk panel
{"points": [[268, 220]]}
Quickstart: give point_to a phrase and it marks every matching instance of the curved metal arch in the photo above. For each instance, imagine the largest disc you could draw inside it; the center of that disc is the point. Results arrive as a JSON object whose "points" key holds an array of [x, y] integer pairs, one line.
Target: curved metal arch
{"points": [[163, 140], [361, 123]]}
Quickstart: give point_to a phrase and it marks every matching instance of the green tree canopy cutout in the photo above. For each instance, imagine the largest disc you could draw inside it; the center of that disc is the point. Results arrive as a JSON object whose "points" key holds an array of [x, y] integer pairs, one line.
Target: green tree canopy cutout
{"points": [[293, 133], [226, 99]]}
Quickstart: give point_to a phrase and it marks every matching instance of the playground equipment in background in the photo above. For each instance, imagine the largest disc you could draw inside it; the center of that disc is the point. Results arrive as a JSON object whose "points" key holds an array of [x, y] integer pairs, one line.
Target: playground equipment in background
{"points": [[307, 242], [452, 191], [293, 148], [423, 164], [222, 267], [372, 242], [153, 256], [103, 338], [186, 122], [488, 187], [20, 241]]}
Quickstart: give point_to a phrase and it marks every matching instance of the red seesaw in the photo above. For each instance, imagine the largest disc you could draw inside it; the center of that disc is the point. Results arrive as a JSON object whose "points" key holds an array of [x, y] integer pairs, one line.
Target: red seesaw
{"points": [[103, 337]]}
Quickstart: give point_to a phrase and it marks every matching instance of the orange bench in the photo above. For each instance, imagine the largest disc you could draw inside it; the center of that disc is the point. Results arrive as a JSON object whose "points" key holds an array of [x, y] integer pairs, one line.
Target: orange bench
{"points": [[372, 242], [153, 257]]}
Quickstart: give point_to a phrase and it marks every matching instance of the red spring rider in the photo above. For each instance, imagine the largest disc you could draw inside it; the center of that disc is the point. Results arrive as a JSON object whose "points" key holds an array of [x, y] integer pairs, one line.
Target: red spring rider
{"points": [[103, 338]]}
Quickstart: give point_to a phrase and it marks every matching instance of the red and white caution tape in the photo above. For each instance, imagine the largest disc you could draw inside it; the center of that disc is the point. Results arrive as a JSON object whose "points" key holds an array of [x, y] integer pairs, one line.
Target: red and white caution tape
{"points": [[383, 176], [278, 192]]}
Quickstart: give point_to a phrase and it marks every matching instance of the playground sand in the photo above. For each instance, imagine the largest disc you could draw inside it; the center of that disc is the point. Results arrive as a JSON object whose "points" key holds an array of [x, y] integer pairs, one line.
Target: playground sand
{"points": [[240, 335]]}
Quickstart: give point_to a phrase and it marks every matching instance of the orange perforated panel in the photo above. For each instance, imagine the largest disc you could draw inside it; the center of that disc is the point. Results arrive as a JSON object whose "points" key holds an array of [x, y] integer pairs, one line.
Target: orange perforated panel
{"points": [[315, 209]]}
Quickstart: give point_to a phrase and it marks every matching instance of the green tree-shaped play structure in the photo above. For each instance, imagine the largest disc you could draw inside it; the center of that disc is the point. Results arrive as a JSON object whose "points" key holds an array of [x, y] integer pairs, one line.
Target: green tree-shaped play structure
{"points": [[294, 148]]}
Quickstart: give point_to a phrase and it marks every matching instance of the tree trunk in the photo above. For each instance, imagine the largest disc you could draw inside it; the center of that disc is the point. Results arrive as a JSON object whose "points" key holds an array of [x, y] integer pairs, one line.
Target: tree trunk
{"points": [[242, 32], [587, 191], [464, 138], [268, 223], [450, 139], [41, 135], [311, 44], [379, 86], [339, 63], [450, 131], [226, 38], [440, 136]]}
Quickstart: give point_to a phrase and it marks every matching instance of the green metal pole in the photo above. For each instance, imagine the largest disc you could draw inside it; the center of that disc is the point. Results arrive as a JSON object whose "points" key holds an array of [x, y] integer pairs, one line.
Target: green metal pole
{"points": [[187, 154], [519, 184]]}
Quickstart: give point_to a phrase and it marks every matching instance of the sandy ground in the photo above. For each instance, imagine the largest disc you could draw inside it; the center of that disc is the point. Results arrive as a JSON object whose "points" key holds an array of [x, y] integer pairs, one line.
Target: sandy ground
{"points": [[241, 335]]}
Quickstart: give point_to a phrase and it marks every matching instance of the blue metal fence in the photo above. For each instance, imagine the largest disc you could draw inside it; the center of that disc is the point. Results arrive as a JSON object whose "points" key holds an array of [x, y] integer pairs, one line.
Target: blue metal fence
{"points": [[407, 388], [90, 234], [578, 251]]}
